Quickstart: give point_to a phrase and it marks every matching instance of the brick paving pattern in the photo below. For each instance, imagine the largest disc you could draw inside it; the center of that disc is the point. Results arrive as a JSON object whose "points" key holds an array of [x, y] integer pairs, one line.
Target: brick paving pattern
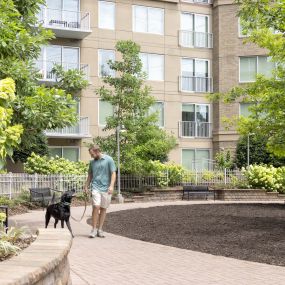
{"points": [[119, 260]]}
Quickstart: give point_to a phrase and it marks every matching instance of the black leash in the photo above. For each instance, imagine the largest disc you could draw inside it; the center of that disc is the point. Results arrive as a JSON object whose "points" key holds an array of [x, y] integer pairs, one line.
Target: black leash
{"points": [[85, 207]]}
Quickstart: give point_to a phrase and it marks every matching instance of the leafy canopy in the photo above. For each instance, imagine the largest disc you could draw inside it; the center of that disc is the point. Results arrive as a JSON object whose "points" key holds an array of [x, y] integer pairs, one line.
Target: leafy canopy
{"points": [[141, 139]]}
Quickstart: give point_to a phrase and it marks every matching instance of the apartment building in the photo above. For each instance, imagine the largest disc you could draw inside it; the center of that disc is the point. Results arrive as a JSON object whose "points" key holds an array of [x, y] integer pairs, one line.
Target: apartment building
{"points": [[188, 49]]}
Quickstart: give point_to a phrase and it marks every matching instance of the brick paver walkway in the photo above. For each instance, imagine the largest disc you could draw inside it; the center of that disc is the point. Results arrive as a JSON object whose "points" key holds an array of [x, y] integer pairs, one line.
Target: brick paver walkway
{"points": [[119, 260]]}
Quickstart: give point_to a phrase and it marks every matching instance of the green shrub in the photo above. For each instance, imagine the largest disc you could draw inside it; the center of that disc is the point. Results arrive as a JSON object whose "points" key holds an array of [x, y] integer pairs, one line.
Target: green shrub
{"points": [[45, 165]]}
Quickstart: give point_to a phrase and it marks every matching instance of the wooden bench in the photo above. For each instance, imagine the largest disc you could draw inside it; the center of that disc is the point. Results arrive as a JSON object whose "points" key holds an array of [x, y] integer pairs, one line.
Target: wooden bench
{"points": [[5, 208], [196, 190], [42, 195]]}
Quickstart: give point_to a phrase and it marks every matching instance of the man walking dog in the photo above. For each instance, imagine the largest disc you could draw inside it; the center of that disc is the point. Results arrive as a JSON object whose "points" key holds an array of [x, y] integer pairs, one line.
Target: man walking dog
{"points": [[102, 177]]}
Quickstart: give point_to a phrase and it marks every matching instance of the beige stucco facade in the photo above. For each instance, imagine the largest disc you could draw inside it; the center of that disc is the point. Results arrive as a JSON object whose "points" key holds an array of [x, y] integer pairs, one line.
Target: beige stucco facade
{"points": [[223, 67]]}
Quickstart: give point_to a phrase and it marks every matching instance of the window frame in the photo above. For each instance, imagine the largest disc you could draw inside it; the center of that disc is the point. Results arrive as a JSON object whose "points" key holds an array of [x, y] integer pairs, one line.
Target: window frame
{"points": [[195, 14], [195, 151], [98, 67], [64, 146], [147, 20], [99, 15], [163, 61]]}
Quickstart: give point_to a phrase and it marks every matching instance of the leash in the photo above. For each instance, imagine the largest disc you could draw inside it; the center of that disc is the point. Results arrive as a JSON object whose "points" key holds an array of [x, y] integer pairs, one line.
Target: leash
{"points": [[85, 207]]}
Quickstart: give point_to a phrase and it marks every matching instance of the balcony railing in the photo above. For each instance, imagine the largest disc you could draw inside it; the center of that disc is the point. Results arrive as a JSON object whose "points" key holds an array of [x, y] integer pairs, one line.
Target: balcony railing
{"points": [[69, 24], [191, 39], [80, 130], [199, 1], [195, 84], [46, 74], [195, 129]]}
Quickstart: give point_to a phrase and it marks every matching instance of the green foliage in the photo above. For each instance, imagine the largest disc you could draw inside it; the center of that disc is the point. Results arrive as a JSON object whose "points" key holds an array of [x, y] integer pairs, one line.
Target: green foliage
{"points": [[224, 160], [72, 80], [141, 140], [258, 152], [9, 134], [6, 248], [264, 177], [45, 165]]}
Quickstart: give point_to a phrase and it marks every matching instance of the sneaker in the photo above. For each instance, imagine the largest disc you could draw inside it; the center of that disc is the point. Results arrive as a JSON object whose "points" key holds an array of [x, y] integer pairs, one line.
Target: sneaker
{"points": [[93, 233], [100, 234]]}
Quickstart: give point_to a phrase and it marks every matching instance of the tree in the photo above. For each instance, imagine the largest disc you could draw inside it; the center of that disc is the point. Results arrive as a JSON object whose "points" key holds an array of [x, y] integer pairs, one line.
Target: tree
{"points": [[9, 134], [264, 22], [258, 152], [37, 108], [141, 139]]}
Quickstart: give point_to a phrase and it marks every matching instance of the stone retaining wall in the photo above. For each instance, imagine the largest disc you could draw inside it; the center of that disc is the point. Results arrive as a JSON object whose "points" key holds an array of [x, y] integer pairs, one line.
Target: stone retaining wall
{"points": [[223, 194], [44, 262]]}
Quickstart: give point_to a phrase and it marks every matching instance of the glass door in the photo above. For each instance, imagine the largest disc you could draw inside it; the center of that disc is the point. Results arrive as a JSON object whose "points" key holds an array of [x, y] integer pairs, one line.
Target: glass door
{"points": [[201, 31], [71, 13], [188, 128], [187, 68], [54, 12], [201, 75], [52, 56], [187, 25]]}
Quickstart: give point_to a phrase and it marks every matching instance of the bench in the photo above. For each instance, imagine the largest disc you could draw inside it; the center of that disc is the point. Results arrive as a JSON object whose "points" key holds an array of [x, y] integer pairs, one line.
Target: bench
{"points": [[196, 190], [42, 195], [5, 208]]}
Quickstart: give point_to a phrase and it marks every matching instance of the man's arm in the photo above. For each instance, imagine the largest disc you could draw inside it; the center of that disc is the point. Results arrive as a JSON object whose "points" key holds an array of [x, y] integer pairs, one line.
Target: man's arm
{"points": [[89, 179], [112, 184]]}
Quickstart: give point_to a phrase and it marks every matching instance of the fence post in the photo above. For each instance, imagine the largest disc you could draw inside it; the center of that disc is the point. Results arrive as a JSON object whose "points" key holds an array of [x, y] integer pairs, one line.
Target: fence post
{"points": [[225, 175], [10, 185], [36, 180], [196, 176]]}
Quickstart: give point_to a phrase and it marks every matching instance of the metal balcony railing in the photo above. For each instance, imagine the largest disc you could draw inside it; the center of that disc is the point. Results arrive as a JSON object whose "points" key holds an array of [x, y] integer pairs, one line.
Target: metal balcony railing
{"points": [[195, 129], [195, 84], [199, 1], [64, 19], [80, 130], [192, 39], [45, 69]]}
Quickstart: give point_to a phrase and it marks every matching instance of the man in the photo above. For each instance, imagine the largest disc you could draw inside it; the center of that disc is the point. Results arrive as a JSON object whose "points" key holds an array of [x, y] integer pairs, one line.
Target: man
{"points": [[102, 176]]}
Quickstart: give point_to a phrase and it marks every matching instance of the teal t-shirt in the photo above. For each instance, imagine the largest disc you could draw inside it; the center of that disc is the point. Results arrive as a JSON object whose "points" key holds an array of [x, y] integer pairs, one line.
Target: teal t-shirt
{"points": [[102, 170]]}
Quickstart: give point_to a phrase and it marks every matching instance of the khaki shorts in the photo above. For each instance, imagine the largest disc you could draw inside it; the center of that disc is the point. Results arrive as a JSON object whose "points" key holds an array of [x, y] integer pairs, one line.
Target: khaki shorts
{"points": [[102, 199]]}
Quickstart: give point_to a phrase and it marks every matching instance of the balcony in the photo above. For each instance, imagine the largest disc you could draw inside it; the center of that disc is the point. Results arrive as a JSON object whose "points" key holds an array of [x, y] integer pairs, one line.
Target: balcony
{"points": [[199, 1], [47, 76], [191, 39], [193, 129], [66, 24], [195, 84], [80, 130]]}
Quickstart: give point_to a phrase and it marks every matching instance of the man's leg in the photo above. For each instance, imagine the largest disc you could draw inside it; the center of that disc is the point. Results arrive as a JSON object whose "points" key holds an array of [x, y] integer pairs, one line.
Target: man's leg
{"points": [[102, 217], [95, 214], [105, 203]]}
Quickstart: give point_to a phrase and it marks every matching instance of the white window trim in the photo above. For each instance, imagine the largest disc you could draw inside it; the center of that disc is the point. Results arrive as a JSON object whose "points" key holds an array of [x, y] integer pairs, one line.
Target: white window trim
{"points": [[156, 80], [195, 149], [252, 56], [147, 7], [62, 47], [98, 56], [110, 29], [65, 146], [195, 14]]}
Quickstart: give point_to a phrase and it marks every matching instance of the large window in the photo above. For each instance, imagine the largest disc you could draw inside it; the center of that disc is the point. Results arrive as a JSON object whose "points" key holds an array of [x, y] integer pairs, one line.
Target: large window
{"points": [[195, 29], [70, 153], [153, 66], [105, 111], [106, 15], [195, 121], [103, 57], [244, 109], [50, 55], [196, 159], [253, 65], [195, 75], [158, 108], [148, 20]]}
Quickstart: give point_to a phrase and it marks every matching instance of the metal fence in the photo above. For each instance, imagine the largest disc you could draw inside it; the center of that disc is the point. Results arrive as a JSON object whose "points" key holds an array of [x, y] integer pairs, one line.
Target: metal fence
{"points": [[12, 184]]}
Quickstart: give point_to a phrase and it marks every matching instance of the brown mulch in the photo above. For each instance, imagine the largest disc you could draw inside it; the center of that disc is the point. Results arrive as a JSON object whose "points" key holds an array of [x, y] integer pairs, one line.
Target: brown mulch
{"points": [[254, 232]]}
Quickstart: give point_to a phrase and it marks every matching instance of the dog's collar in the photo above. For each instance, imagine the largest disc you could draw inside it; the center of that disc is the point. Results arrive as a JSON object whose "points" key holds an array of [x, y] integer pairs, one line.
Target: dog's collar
{"points": [[65, 203]]}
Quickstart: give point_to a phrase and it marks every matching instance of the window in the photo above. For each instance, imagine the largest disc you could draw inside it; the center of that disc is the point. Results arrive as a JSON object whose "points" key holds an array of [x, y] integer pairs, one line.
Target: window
{"points": [[251, 66], [50, 55], [70, 153], [148, 20], [106, 15], [198, 159], [159, 108], [195, 120], [105, 111], [195, 75], [241, 31], [153, 66], [244, 109], [104, 56]]}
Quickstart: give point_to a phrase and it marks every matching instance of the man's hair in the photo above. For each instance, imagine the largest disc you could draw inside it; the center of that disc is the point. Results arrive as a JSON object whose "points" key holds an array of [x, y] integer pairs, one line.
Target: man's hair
{"points": [[94, 147]]}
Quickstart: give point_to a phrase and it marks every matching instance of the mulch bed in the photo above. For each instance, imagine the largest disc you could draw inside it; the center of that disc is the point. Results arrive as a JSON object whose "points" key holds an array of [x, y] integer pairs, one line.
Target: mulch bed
{"points": [[254, 232]]}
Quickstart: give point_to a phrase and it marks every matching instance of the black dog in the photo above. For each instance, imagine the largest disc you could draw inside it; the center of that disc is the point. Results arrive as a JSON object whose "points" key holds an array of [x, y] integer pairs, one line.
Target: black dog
{"points": [[61, 211]]}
